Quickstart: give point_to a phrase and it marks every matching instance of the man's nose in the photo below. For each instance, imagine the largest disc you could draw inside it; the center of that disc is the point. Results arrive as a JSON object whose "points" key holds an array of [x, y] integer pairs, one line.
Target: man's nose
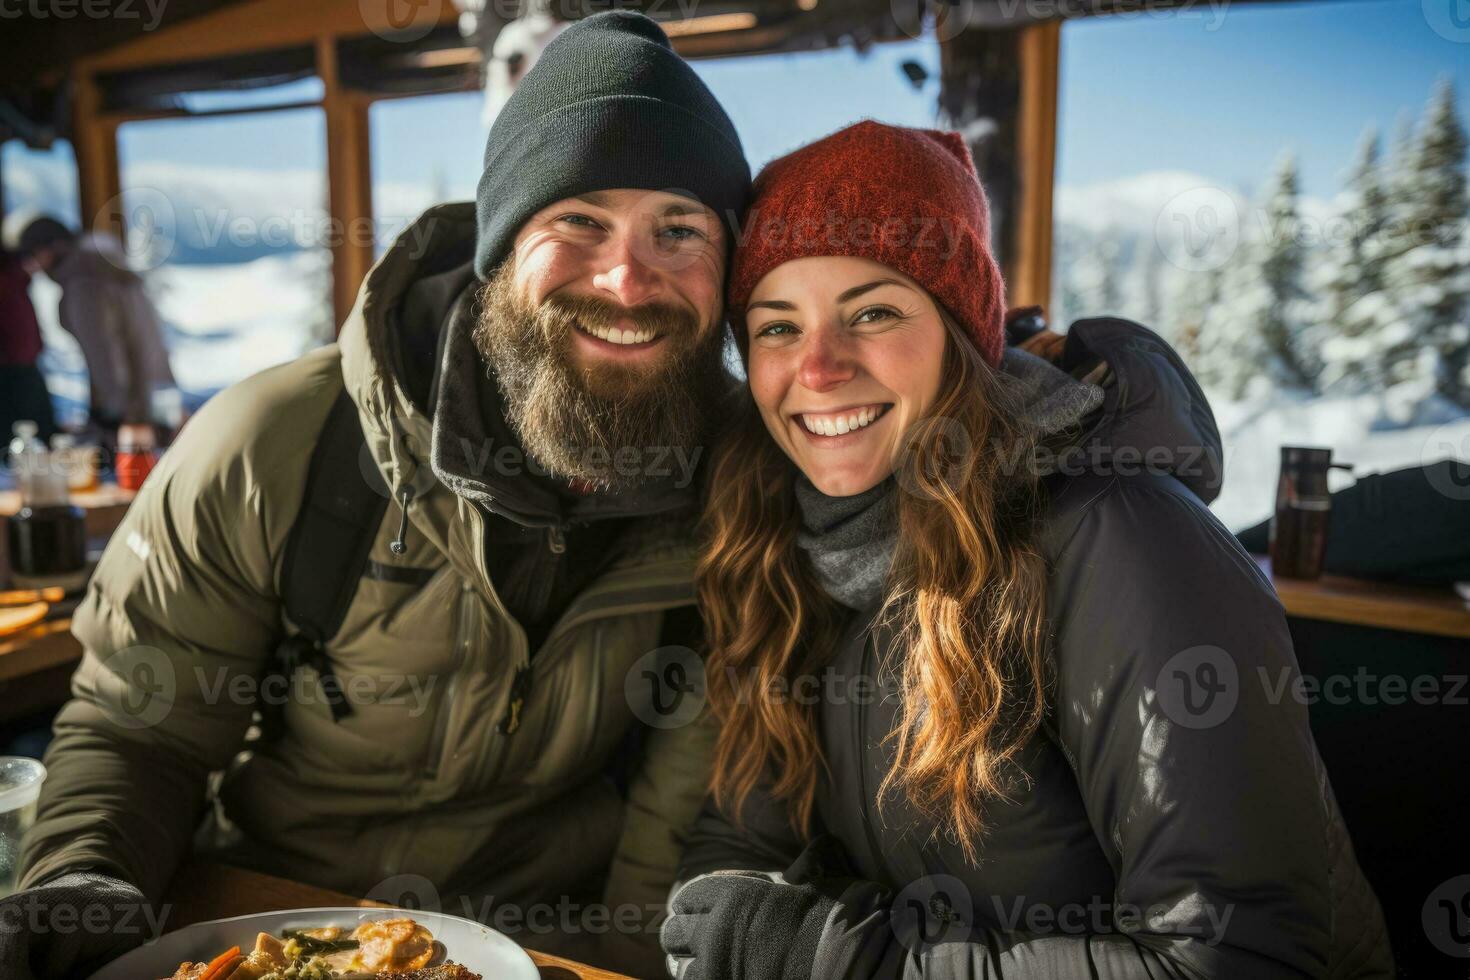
{"points": [[625, 276], [827, 362]]}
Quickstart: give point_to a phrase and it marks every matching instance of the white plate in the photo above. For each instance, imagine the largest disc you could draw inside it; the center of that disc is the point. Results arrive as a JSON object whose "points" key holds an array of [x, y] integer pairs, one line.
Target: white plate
{"points": [[482, 949]]}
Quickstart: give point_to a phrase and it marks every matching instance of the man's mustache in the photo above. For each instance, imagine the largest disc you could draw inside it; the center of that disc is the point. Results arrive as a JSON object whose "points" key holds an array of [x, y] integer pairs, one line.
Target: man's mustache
{"points": [[560, 312]]}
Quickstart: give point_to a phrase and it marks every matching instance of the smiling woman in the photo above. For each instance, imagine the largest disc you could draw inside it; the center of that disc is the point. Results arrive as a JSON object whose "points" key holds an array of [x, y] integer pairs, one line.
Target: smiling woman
{"points": [[844, 360], [1048, 766]]}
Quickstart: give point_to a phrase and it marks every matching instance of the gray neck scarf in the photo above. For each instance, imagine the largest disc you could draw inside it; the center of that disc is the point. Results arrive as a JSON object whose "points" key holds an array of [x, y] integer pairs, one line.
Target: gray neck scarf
{"points": [[851, 540]]}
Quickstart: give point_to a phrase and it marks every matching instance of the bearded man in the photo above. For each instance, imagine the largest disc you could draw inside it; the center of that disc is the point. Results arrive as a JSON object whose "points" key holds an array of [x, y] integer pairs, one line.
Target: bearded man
{"points": [[534, 379]]}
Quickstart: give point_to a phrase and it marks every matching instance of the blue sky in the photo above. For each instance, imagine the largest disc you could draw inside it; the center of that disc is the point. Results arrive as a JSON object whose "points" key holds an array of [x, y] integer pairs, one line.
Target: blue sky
{"points": [[1219, 92], [1224, 94]]}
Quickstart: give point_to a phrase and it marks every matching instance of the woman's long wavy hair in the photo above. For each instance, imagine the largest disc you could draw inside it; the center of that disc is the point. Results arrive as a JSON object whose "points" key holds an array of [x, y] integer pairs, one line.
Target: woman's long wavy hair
{"points": [[966, 598]]}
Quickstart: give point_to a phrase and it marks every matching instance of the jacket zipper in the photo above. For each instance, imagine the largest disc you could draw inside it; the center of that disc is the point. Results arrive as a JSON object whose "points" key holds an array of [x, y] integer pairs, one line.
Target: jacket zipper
{"points": [[463, 609], [870, 805], [520, 685]]}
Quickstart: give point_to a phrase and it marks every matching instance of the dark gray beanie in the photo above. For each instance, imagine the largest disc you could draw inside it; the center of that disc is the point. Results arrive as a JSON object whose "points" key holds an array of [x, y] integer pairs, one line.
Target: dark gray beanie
{"points": [[608, 104]]}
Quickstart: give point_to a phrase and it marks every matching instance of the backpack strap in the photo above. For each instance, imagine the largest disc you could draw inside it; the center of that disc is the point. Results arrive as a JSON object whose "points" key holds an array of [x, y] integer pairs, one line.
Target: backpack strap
{"points": [[326, 554]]}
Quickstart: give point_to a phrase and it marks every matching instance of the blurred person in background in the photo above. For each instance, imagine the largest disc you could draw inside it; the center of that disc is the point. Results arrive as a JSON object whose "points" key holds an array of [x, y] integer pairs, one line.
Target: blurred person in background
{"points": [[105, 307], [23, 393]]}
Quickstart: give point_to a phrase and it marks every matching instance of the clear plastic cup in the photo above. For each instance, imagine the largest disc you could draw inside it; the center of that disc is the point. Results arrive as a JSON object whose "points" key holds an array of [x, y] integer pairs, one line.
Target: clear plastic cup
{"points": [[20, 786]]}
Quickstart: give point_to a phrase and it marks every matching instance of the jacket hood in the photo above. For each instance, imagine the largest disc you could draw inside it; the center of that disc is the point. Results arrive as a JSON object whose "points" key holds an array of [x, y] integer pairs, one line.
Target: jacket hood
{"points": [[1154, 417], [431, 411]]}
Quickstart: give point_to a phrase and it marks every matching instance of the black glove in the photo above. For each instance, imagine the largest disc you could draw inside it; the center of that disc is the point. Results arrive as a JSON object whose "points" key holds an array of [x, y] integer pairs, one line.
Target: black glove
{"points": [[71, 925], [755, 925]]}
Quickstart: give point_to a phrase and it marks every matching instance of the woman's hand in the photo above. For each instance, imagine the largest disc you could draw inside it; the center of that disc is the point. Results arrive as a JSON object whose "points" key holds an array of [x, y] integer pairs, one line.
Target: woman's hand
{"points": [[744, 925], [757, 925]]}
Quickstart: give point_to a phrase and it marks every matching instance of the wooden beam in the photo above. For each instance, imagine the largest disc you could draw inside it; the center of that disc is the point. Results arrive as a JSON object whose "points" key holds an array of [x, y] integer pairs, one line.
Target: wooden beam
{"points": [[1037, 160], [94, 140], [259, 25], [120, 118], [979, 95], [349, 181]]}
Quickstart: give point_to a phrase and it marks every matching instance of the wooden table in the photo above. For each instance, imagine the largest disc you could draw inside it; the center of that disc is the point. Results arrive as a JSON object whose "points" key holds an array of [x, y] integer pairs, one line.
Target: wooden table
{"points": [[202, 891], [1410, 608], [36, 663]]}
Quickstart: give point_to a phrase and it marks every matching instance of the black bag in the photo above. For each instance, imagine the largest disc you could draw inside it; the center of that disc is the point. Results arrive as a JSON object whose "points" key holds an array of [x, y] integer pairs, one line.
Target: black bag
{"points": [[326, 554], [1410, 526]]}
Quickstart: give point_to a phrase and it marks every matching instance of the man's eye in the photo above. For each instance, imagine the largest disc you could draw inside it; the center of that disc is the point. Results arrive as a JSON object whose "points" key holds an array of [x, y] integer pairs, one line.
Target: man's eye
{"points": [[681, 233], [580, 220]]}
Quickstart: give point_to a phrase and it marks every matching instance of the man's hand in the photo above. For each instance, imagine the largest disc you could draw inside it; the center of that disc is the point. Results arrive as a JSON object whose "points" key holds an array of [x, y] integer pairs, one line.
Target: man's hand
{"points": [[70, 925]]}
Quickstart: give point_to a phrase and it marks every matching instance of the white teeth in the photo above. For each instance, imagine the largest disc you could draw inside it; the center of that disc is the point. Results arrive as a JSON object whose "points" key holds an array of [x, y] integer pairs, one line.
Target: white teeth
{"points": [[836, 425], [614, 335]]}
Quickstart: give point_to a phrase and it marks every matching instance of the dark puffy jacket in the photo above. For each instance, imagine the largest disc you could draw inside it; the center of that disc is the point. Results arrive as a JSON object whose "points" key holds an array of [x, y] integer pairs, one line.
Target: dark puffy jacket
{"points": [[1178, 821]]}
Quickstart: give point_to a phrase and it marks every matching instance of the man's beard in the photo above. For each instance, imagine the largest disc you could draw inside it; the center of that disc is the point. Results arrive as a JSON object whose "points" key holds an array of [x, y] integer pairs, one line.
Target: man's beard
{"points": [[612, 425]]}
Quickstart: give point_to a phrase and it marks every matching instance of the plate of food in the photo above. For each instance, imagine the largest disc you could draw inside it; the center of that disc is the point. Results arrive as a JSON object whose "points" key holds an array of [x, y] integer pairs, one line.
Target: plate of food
{"points": [[328, 944]]}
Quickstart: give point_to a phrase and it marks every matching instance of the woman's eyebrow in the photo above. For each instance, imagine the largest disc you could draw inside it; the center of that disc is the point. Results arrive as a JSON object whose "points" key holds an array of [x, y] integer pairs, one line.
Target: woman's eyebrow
{"points": [[859, 290], [847, 294]]}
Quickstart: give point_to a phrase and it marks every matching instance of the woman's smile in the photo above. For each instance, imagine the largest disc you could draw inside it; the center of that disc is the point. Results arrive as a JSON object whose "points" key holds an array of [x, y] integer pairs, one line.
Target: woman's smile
{"points": [[834, 428]]}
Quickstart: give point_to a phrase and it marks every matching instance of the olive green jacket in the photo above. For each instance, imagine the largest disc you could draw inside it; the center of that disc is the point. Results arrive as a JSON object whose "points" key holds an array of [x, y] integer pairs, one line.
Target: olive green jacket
{"points": [[415, 793]]}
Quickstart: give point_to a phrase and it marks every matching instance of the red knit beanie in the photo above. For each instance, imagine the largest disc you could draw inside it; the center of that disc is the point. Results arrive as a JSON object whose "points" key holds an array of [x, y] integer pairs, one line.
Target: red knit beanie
{"points": [[907, 198]]}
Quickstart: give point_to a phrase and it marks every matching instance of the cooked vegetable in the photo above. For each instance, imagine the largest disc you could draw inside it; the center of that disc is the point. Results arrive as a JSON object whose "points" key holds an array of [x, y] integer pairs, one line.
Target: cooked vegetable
{"points": [[312, 946], [221, 965]]}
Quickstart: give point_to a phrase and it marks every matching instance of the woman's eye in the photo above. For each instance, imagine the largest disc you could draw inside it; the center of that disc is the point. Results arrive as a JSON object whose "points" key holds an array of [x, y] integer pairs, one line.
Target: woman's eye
{"points": [[774, 330], [874, 314]]}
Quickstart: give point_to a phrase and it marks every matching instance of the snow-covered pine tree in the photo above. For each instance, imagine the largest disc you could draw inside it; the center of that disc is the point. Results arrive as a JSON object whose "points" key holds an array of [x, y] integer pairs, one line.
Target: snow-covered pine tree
{"points": [[1196, 296], [1256, 338], [1362, 323], [1427, 268], [1286, 320]]}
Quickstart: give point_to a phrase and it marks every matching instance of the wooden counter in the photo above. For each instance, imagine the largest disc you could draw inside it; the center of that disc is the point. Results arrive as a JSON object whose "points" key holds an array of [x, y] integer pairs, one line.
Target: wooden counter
{"points": [[1409, 608]]}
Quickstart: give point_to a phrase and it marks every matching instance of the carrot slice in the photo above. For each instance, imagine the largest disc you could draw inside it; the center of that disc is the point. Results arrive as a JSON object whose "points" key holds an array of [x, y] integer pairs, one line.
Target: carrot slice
{"points": [[220, 964]]}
